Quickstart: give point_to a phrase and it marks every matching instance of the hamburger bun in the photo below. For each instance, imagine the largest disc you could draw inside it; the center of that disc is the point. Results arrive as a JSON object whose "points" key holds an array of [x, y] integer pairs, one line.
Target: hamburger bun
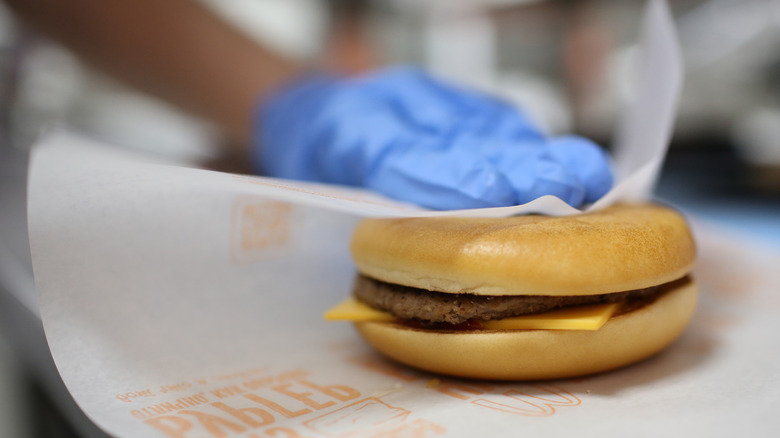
{"points": [[646, 249], [624, 247]]}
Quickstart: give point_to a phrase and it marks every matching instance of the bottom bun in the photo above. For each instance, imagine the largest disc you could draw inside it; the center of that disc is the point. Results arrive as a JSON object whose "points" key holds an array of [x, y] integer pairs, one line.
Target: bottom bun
{"points": [[539, 354]]}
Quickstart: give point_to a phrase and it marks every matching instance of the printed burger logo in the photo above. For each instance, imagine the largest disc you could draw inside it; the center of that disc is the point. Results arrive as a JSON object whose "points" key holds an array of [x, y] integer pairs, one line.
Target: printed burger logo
{"points": [[527, 400], [259, 229], [372, 417]]}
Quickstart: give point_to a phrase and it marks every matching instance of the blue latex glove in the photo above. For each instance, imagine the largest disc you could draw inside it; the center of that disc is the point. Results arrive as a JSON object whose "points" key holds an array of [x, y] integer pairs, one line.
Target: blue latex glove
{"points": [[408, 136]]}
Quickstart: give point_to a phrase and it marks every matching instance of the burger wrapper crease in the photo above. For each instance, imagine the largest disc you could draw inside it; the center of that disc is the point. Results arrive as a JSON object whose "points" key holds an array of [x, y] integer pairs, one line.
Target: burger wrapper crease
{"points": [[180, 302]]}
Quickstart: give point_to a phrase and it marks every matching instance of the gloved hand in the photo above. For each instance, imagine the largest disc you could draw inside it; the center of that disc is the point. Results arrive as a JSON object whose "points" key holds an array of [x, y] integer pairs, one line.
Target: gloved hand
{"points": [[408, 136]]}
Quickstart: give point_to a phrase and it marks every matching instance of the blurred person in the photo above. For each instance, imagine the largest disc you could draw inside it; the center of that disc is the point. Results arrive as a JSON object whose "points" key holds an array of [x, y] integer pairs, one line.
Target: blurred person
{"points": [[397, 131]]}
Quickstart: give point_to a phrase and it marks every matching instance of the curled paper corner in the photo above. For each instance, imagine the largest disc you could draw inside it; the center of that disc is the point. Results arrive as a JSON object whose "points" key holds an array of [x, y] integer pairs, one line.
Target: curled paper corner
{"points": [[644, 133], [642, 137]]}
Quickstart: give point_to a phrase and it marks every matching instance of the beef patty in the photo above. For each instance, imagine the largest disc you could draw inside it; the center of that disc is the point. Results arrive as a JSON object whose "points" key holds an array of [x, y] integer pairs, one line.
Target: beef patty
{"points": [[437, 307]]}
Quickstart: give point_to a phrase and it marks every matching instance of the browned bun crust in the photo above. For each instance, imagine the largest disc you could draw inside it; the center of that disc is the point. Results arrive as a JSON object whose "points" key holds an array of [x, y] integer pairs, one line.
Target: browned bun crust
{"points": [[539, 354], [623, 247]]}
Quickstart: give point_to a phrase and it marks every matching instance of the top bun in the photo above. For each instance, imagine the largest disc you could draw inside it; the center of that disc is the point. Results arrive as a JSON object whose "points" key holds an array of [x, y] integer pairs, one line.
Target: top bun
{"points": [[620, 248]]}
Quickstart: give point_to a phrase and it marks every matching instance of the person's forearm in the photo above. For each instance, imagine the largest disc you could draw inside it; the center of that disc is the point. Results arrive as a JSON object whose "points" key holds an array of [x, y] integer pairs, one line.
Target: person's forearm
{"points": [[175, 49]]}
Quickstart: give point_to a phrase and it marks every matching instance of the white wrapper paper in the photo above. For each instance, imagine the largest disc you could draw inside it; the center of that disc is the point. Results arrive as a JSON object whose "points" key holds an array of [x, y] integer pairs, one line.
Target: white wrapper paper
{"points": [[180, 302]]}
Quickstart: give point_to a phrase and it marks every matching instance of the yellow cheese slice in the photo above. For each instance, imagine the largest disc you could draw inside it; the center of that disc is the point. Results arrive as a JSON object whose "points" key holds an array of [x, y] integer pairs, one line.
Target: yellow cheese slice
{"points": [[354, 310], [574, 318]]}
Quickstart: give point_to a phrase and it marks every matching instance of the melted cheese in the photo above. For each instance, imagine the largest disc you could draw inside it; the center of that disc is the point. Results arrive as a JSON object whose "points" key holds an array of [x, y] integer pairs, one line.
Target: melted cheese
{"points": [[354, 310], [573, 318]]}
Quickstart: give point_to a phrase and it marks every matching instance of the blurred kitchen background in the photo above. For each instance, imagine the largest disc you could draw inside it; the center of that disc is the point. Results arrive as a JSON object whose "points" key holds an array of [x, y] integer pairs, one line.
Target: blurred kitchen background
{"points": [[569, 63]]}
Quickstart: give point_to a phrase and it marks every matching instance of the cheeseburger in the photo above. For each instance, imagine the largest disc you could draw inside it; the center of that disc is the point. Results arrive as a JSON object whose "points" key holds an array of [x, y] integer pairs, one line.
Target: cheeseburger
{"points": [[524, 297]]}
